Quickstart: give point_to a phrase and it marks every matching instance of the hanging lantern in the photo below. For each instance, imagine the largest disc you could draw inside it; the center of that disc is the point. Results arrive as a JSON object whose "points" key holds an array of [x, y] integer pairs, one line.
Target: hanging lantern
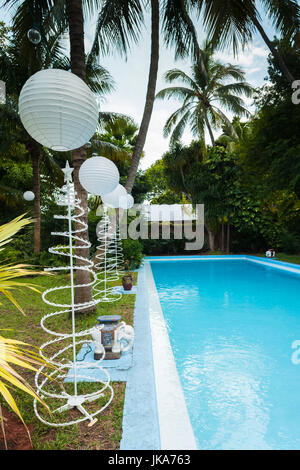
{"points": [[58, 109], [98, 175], [28, 196], [116, 198], [130, 201]]}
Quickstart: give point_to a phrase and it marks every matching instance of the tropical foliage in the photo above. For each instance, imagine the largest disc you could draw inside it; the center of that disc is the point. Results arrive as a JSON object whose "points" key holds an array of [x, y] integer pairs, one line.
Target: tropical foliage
{"points": [[13, 352], [205, 96]]}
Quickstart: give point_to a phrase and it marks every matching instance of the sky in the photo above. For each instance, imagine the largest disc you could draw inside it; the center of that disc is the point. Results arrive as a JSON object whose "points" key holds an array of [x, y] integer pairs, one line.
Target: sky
{"points": [[131, 78]]}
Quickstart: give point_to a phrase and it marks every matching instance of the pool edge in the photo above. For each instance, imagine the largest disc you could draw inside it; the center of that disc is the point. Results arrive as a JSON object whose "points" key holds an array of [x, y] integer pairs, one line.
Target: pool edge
{"points": [[176, 432]]}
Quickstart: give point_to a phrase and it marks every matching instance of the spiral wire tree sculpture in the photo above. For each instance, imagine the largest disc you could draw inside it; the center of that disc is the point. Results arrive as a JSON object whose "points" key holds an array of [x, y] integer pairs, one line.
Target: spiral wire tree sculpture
{"points": [[66, 369], [106, 264]]}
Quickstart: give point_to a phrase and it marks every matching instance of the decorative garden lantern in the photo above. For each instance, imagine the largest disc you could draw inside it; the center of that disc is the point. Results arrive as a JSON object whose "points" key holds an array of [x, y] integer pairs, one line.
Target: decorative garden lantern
{"points": [[58, 109], [99, 176], [28, 196]]}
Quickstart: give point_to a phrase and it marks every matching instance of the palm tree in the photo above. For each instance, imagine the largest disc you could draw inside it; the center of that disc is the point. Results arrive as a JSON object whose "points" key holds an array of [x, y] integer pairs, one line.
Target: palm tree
{"points": [[15, 71], [227, 22], [205, 93], [119, 23], [123, 131], [232, 22]]}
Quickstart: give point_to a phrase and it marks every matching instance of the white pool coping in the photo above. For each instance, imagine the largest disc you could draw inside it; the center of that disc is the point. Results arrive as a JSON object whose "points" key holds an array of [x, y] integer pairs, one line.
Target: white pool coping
{"points": [[176, 432], [271, 263]]}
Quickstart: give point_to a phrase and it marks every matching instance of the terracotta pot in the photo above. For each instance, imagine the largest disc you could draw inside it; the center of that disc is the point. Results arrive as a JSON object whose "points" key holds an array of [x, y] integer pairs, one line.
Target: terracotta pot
{"points": [[127, 282]]}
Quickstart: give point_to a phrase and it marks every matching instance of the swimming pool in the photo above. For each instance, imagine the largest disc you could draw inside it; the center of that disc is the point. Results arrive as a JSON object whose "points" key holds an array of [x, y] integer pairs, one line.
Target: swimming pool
{"points": [[231, 324]]}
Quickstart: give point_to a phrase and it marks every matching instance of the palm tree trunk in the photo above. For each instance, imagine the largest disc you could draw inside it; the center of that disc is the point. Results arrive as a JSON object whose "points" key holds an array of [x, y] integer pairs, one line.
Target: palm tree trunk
{"points": [[275, 53], [211, 239], [78, 67], [35, 157], [222, 238], [210, 131], [228, 238], [137, 152]]}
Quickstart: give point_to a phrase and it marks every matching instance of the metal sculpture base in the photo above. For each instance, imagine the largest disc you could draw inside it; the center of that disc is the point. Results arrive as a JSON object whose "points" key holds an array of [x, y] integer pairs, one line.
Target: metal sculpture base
{"points": [[77, 402]]}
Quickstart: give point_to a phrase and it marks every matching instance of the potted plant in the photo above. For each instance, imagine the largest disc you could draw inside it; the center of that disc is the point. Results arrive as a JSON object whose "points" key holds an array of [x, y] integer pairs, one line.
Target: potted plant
{"points": [[127, 281]]}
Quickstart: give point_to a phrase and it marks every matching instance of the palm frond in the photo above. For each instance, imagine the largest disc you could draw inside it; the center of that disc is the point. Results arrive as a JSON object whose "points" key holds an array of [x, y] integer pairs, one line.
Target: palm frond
{"points": [[285, 15], [118, 25], [173, 119], [175, 93], [227, 22], [180, 128], [241, 88], [179, 30], [177, 74], [111, 151]]}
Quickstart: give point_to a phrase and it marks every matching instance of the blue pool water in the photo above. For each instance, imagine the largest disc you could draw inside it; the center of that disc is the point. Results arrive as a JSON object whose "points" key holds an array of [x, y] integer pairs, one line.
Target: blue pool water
{"points": [[231, 326]]}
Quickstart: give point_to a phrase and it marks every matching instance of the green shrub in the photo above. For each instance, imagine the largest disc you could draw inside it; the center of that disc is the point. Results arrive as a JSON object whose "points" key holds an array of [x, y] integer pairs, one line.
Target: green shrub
{"points": [[133, 253], [10, 255], [290, 243]]}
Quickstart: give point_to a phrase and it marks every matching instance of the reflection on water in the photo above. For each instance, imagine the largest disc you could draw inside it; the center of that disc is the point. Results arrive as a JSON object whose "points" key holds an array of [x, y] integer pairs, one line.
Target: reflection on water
{"points": [[231, 326]]}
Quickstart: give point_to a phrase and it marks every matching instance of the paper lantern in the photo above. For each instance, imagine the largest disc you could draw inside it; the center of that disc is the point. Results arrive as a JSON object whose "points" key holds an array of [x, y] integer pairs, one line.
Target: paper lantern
{"points": [[58, 109], [130, 201], [114, 199], [98, 175], [29, 196]]}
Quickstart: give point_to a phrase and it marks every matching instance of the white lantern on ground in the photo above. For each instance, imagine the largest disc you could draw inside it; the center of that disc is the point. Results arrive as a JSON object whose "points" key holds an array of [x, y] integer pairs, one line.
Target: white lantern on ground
{"points": [[29, 196], [130, 201], [98, 175], [58, 109], [115, 198]]}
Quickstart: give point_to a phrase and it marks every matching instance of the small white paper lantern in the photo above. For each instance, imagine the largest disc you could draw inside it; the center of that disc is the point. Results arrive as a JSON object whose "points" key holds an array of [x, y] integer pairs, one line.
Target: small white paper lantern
{"points": [[116, 198], [29, 196], [98, 175], [58, 109], [130, 201]]}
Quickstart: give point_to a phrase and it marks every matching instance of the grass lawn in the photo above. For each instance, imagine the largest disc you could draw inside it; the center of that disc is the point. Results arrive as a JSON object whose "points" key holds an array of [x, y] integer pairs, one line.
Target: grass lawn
{"points": [[284, 257], [107, 432]]}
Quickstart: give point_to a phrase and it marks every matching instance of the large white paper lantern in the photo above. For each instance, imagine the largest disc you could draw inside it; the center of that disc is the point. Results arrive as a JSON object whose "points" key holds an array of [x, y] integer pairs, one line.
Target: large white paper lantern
{"points": [[28, 196], [98, 175], [58, 109], [116, 198]]}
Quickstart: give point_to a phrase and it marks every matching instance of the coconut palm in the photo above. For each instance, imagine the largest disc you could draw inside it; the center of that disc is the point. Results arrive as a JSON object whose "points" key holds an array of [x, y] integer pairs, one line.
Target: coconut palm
{"points": [[228, 22], [204, 97], [119, 24]]}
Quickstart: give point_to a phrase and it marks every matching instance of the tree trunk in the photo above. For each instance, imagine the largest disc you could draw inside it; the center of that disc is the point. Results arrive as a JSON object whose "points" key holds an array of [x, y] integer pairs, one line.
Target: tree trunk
{"points": [[149, 97], [35, 157], [275, 53], [222, 239], [210, 131], [78, 67], [228, 239], [211, 240]]}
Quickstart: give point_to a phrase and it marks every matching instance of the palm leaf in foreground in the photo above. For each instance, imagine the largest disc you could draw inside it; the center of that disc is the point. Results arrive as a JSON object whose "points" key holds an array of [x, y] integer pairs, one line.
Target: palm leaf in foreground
{"points": [[12, 351]]}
